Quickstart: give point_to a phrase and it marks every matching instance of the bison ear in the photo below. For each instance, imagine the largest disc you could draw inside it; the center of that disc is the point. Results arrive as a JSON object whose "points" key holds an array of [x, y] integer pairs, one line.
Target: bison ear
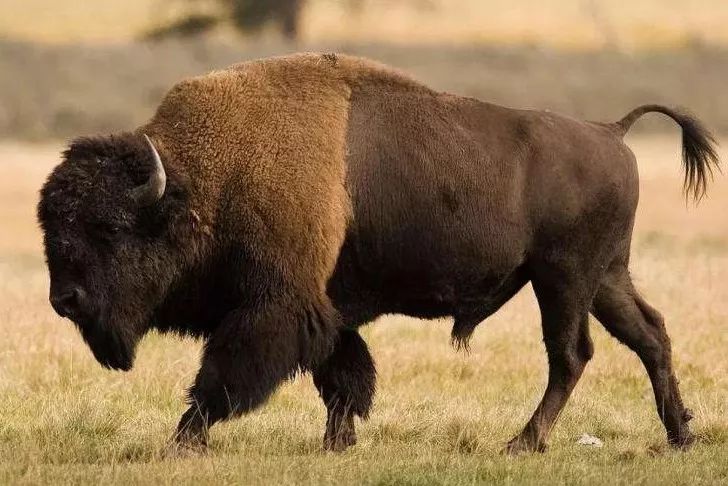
{"points": [[151, 191]]}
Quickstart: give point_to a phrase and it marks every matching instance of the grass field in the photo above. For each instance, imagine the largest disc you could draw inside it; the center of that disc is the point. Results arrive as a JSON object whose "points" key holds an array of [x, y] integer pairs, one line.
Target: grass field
{"points": [[439, 416]]}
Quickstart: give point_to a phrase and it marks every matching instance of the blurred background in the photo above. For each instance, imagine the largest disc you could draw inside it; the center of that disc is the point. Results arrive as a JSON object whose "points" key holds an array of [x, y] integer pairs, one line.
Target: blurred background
{"points": [[71, 67]]}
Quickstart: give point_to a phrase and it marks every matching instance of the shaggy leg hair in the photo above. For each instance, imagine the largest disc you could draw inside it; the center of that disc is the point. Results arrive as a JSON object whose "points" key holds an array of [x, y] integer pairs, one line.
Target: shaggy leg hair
{"points": [[626, 316], [248, 357], [346, 382]]}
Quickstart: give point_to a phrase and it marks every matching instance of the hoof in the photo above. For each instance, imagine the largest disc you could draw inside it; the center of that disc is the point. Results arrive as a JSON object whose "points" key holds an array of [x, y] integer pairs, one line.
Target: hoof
{"points": [[189, 441], [340, 433], [682, 443], [339, 442], [519, 445], [181, 450]]}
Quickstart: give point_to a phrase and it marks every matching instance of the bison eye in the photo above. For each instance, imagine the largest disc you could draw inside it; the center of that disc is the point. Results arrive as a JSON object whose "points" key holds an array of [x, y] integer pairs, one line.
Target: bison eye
{"points": [[106, 229]]}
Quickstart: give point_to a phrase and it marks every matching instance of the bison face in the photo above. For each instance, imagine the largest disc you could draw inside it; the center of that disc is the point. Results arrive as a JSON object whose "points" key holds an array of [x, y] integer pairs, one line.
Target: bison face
{"points": [[105, 219]]}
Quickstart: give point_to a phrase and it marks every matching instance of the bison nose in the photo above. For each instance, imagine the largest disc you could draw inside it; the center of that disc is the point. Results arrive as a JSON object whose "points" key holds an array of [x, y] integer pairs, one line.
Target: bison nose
{"points": [[68, 302]]}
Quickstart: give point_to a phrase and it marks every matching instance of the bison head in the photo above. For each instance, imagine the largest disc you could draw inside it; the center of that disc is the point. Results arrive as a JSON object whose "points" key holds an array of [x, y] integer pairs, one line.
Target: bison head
{"points": [[106, 213]]}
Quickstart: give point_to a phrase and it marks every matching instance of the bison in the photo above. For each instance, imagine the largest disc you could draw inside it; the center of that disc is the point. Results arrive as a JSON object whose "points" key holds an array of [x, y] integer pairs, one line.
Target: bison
{"points": [[274, 207]]}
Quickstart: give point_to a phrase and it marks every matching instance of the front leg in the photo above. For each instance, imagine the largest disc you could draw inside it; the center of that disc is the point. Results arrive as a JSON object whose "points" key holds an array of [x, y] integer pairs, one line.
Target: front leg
{"points": [[252, 352], [346, 383]]}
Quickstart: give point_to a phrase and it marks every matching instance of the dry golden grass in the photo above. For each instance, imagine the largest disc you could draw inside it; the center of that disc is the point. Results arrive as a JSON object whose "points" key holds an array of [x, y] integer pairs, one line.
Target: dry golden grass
{"points": [[439, 416], [562, 23]]}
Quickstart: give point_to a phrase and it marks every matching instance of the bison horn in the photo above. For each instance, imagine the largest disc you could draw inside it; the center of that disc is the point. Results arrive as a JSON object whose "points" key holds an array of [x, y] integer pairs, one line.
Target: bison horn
{"points": [[152, 190]]}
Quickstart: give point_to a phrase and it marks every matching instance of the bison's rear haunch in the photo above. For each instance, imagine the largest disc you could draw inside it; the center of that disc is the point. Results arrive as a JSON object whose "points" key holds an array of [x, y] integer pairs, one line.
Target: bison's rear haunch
{"points": [[273, 207]]}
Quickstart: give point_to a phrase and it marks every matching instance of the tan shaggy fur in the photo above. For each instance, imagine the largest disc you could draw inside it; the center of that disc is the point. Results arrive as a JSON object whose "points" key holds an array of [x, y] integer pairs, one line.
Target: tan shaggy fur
{"points": [[281, 124]]}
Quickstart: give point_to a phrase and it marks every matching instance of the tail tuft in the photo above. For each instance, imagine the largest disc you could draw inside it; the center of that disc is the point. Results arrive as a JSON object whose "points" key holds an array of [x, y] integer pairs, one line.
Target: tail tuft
{"points": [[699, 152]]}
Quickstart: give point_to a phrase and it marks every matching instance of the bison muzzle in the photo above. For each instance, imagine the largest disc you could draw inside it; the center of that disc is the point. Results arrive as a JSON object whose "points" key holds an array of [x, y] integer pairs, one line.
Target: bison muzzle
{"points": [[272, 208]]}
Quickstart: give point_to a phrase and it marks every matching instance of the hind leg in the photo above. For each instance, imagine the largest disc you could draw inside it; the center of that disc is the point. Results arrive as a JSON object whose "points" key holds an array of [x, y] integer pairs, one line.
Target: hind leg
{"points": [[564, 313], [346, 381], [635, 323]]}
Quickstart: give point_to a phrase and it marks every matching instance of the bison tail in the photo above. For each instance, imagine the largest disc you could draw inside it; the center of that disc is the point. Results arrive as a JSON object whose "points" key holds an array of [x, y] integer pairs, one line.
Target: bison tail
{"points": [[699, 154]]}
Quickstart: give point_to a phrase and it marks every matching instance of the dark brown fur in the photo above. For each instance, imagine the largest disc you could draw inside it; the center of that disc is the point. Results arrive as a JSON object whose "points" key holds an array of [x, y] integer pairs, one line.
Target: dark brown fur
{"points": [[307, 195]]}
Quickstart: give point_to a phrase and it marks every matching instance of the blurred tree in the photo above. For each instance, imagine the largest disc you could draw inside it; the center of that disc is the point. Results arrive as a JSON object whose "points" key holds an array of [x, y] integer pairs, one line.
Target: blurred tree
{"points": [[246, 15], [192, 24], [252, 15], [602, 23]]}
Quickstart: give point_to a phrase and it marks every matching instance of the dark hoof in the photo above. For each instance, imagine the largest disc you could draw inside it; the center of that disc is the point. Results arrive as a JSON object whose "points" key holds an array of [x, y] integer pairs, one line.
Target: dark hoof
{"points": [[191, 436], [340, 442], [191, 441], [177, 449], [340, 433], [682, 443], [519, 445]]}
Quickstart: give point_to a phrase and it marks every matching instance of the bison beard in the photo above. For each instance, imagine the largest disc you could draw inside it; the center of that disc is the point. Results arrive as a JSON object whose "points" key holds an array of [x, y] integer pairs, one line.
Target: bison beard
{"points": [[273, 208]]}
